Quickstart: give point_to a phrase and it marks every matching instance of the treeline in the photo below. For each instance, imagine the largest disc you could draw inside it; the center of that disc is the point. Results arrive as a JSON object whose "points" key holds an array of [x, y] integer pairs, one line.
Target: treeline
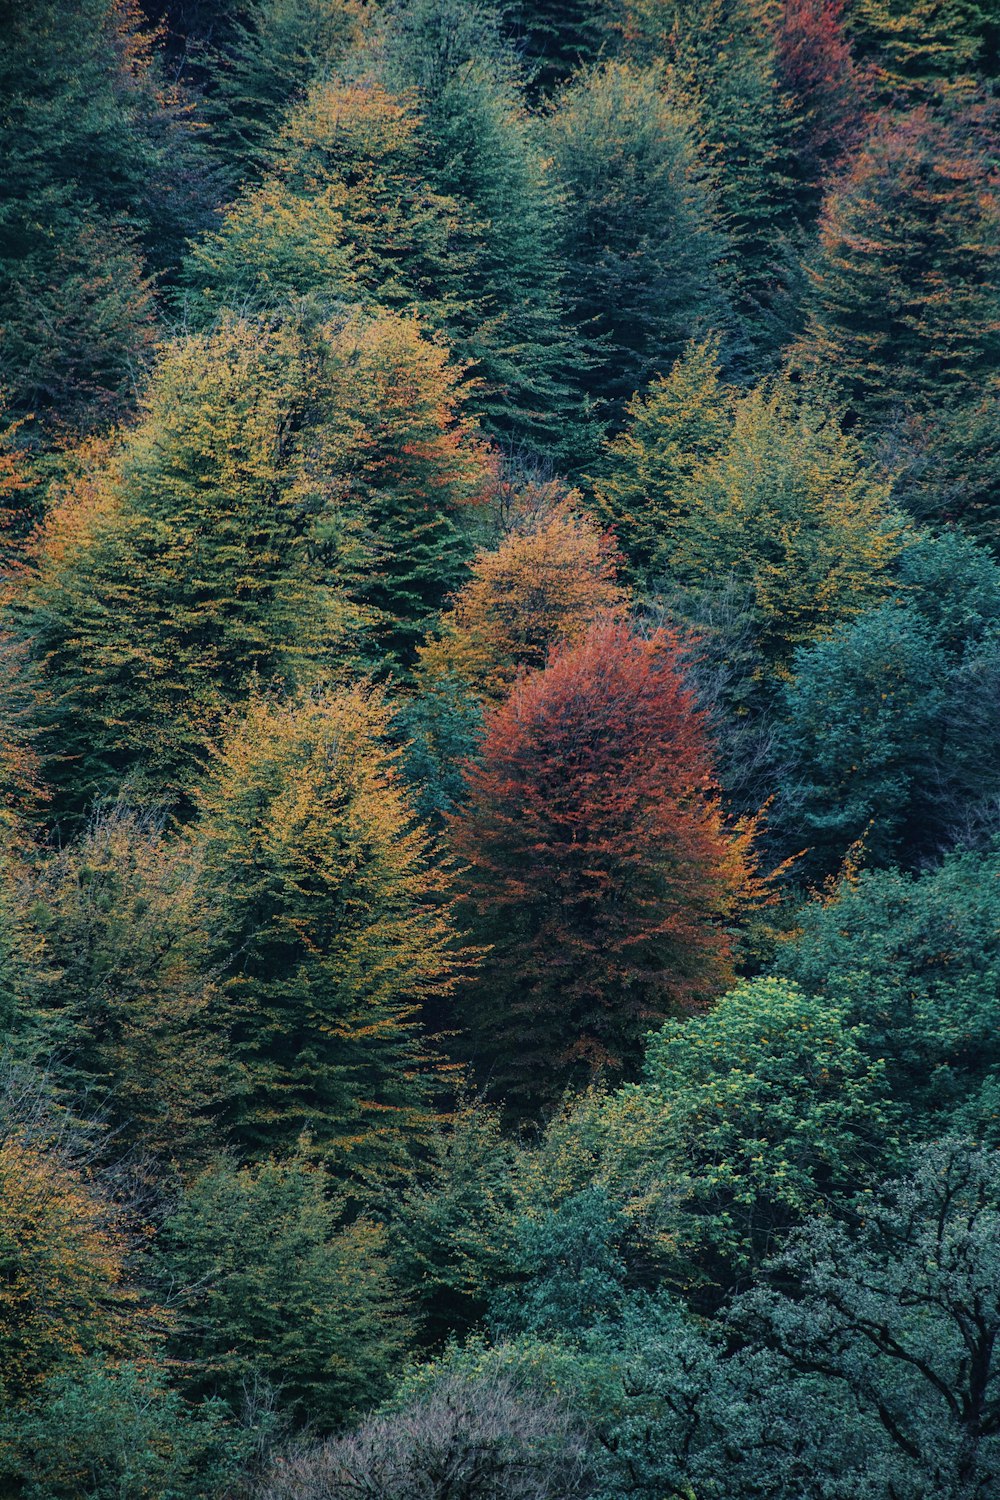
{"points": [[500, 813]]}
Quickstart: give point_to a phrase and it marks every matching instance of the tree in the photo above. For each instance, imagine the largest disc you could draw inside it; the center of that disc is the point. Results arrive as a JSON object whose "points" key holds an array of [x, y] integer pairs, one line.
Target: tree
{"points": [[493, 1440], [412, 471], [266, 64], [674, 429], [721, 66], [904, 303], [290, 504], [79, 327], [917, 46], [864, 738], [917, 960], [565, 1270], [830, 92], [599, 868], [346, 212], [123, 1432], [556, 38], [548, 582], [65, 1289], [272, 1284], [789, 508], [747, 1120], [115, 988], [502, 286], [103, 182], [900, 1311], [642, 249], [328, 928], [22, 708], [447, 1232]]}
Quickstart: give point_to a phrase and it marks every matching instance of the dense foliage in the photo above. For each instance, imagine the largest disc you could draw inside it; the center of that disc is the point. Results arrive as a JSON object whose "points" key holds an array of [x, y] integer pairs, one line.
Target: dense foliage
{"points": [[499, 777]]}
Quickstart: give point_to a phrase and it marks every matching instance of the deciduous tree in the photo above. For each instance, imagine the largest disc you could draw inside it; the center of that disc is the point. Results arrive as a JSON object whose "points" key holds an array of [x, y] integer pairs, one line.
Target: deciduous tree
{"points": [[328, 928], [599, 869]]}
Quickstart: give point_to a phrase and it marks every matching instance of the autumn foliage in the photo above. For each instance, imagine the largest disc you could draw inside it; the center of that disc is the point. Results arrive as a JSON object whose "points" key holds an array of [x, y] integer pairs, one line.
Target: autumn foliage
{"points": [[547, 582], [599, 865]]}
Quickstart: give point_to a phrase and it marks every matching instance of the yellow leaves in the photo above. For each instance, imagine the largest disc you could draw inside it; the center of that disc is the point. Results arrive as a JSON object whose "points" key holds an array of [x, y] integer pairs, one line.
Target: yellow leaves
{"points": [[62, 1288]]}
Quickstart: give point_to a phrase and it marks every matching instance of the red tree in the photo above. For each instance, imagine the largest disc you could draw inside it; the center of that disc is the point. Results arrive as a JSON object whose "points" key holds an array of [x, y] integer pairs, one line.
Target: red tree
{"points": [[600, 871], [831, 93]]}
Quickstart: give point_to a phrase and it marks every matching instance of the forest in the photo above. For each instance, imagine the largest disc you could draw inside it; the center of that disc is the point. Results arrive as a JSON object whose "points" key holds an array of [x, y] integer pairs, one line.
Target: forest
{"points": [[500, 750]]}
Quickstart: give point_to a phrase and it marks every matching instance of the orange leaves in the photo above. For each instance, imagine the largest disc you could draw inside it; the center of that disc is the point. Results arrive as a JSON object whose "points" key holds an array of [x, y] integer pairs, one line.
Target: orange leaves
{"points": [[62, 1279], [545, 584]]}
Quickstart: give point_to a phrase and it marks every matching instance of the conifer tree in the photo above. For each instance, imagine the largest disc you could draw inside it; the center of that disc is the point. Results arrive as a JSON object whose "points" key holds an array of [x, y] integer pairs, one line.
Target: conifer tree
{"points": [[103, 180], [273, 52], [183, 566], [905, 292], [599, 869], [722, 67], [830, 93], [273, 1284], [642, 246], [556, 37], [410, 473], [326, 927], [905, 304], [345, 214], [483, 150], [65, 1290], [114, 986], [918, 46]]}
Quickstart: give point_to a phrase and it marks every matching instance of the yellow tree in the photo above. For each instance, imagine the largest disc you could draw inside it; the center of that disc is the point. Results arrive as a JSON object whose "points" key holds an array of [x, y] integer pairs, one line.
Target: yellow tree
{"points": [[329, 926], [64, 1292], [289, 507], [674, 427]]}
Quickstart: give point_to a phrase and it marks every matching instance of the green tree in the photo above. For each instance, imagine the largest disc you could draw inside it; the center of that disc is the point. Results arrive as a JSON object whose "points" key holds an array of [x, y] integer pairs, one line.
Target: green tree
{"points": [[448, 1229], [271, 1283], [674, 429], [904, 301], [919, 46], [788, 508], [565, 1270], [748, 1119], [899, 1313], [863, 732], [917, 959], [102, 182], [290, 505], [183, 565], [269, 58], [483, 150], [345, 213], [556, 37], [722, 67], [642, 249], [328, 929], [115, 987], [119, 1432]]}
